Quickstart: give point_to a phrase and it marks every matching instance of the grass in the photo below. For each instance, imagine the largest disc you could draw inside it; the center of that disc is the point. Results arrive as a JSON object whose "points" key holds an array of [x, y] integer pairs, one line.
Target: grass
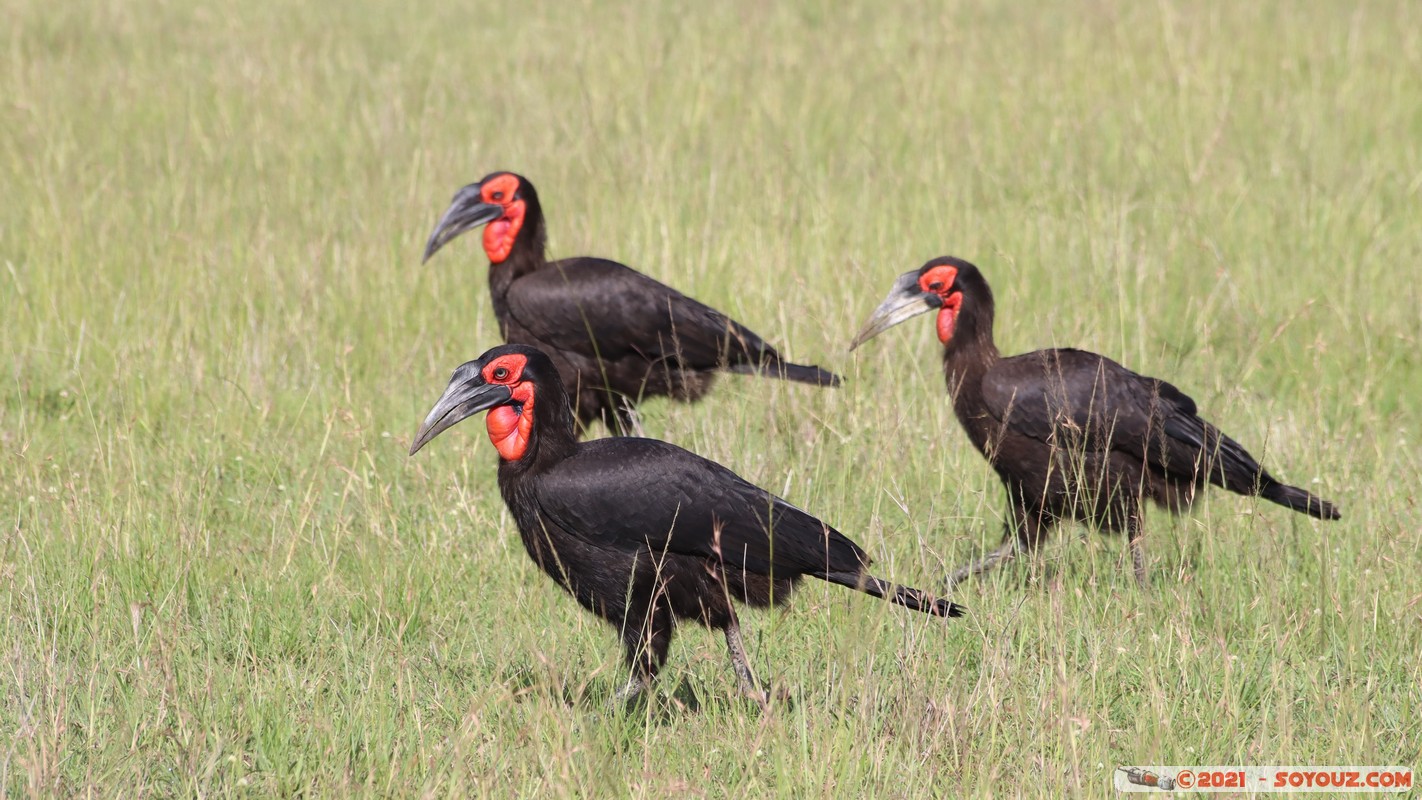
{"points": [[222, 576]]}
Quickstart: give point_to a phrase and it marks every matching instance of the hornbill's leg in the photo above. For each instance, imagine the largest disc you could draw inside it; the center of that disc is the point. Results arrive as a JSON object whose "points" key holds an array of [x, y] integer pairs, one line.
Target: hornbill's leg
{"points": [[1135, 542], [1020, 534], [1002, 552], [722, 613], [750, 687], [645, 642]]}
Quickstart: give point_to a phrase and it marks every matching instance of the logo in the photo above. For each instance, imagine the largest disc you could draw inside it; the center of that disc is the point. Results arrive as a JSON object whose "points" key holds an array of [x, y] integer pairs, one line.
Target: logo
{"points": [[1144, 777], [1251, 779]]}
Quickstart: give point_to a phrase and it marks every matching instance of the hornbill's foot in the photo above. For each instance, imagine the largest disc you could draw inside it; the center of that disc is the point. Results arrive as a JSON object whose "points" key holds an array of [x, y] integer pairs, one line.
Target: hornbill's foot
{"points": [[635, 687]]}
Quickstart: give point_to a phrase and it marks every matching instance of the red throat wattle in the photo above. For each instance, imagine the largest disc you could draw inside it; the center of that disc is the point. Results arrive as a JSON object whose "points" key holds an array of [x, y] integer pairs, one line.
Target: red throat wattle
{"points": [[500, 235], [510, 427], [948, 316]]}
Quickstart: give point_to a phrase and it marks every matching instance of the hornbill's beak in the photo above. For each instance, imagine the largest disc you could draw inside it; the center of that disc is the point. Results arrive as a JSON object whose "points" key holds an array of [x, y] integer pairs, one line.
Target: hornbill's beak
{"points": [[905, 301], [467, 210], [463, 398]]}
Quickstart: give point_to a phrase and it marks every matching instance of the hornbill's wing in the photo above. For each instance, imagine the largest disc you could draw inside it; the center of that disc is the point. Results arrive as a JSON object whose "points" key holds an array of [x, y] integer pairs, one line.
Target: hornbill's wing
{"points": [[1075, 399], [608, 311], [624, 493]]}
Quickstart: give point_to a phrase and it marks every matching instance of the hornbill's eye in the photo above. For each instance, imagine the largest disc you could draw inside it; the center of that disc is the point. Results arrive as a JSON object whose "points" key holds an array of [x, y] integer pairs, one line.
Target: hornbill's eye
{"points": [[936, 286], [498, 195], [501, 373]]}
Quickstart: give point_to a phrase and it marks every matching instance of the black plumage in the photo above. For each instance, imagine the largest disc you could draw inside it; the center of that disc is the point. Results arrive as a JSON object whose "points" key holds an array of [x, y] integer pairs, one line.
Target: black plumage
{"points": [[1072, 435], [615, 335], [641, 532]]}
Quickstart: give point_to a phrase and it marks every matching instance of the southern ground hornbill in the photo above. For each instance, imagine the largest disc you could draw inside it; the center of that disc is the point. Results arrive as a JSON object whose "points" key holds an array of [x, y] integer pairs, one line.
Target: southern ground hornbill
{"points": [[641, 532], [1072, 434], [615, 335]]}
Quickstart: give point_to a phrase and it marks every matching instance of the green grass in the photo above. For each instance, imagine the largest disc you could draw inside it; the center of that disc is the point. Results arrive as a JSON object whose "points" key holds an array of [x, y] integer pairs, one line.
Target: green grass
{"points": [[222, 576]]}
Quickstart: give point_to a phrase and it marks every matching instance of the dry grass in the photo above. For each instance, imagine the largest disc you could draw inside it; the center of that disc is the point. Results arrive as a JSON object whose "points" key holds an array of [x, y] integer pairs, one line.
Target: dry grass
{"points": [[222, 576]]}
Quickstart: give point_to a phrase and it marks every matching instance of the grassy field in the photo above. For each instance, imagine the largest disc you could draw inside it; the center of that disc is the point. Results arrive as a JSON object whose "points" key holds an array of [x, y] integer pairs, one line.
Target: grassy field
{"points": [[222, 576]]}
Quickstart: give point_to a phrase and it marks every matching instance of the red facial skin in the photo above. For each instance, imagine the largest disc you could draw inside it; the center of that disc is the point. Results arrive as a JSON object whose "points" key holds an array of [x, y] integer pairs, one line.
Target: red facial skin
{"points": [[510, 427], [948, 316], [500, 235], [939, 281]]}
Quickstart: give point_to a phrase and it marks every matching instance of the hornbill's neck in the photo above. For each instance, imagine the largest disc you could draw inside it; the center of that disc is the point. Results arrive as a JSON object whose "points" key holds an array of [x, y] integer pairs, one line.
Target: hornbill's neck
{"points": [[970, 352], [528, 254], [552, 437]]}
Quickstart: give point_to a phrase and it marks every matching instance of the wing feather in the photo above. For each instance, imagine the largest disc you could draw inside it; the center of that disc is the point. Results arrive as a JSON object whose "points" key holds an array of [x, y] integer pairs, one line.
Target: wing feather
{"points": [[626, 493]]}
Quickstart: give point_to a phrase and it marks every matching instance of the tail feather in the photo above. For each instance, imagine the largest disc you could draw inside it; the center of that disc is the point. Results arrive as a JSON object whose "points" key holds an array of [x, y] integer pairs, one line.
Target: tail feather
{"points": [[1299, 500], [784, 370], [1229, 466], [905, 596]]}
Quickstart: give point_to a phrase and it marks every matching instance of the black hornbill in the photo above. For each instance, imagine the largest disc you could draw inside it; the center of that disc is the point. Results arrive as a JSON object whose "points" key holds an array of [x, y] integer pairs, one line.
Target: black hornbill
{"points": [[615, 334], [641, 532], [1072, 434]]}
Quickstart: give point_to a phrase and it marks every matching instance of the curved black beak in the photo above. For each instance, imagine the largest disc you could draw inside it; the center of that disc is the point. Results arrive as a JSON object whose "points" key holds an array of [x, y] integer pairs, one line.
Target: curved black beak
{"points": [[465, 396], [467, 210], [905, 301]]}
